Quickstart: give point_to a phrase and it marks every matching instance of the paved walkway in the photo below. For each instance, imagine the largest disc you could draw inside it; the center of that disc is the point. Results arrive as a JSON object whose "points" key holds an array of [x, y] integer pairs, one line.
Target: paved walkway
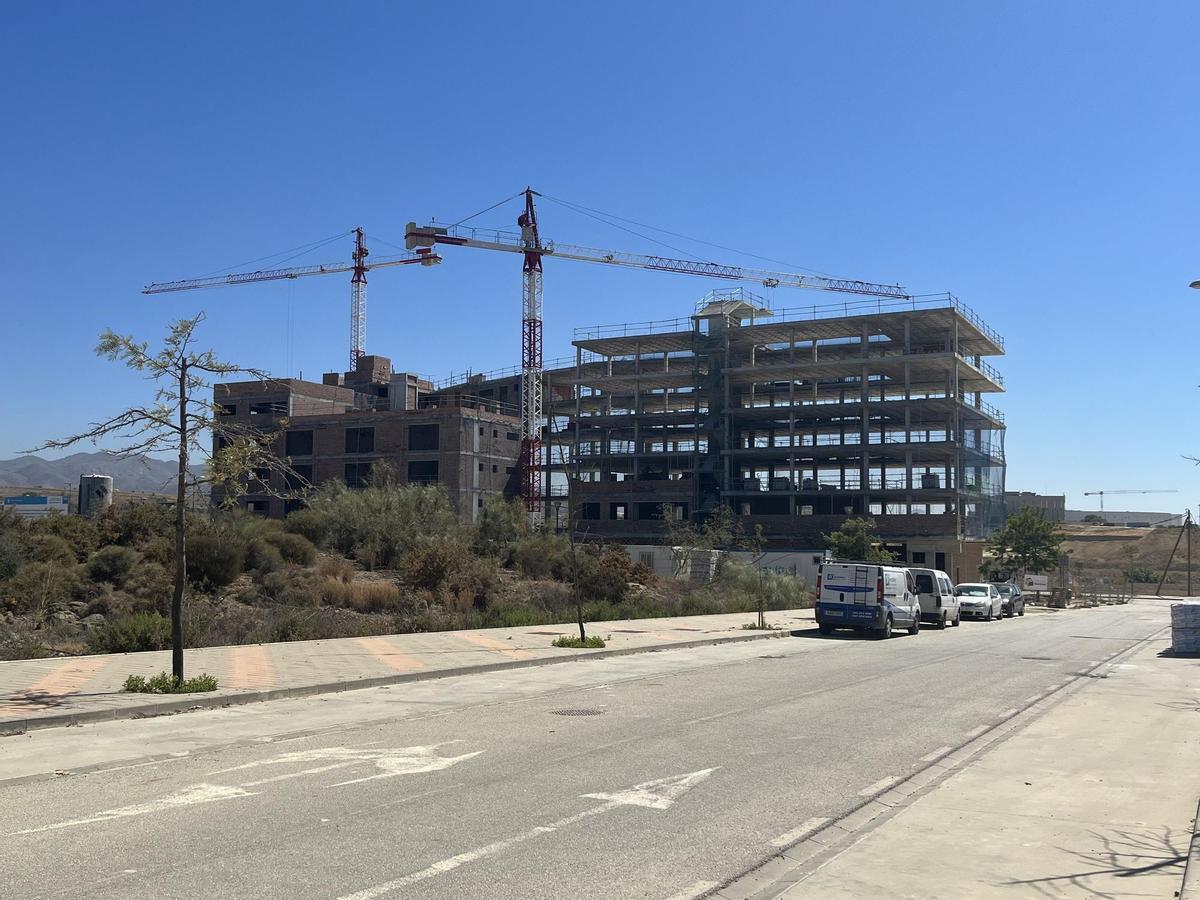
{"points": [[43, 692], [1094, 798]]}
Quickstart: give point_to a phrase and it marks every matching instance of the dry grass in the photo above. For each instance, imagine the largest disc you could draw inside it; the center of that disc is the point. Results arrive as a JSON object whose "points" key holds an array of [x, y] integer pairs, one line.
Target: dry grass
{"points": [[362, 596], [337, 568]]}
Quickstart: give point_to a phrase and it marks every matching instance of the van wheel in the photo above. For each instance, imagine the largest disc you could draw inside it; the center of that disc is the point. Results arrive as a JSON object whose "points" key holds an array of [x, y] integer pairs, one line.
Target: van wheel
{"points": [[957, 620], [915, 626], [886, 631], [1022, 612], [941, 624], [825, 629]]}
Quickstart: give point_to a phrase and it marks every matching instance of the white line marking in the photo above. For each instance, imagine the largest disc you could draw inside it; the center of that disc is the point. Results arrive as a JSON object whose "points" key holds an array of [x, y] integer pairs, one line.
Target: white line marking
{"points": [[804, 829], [690, 893], [937, 754], [299, 774], [197, 793], [880, 786], [658, 794]]}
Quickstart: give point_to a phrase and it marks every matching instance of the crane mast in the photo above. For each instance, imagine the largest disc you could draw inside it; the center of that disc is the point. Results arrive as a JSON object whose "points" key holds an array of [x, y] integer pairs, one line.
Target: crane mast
{"points": [[358, 300], [531, 360]]}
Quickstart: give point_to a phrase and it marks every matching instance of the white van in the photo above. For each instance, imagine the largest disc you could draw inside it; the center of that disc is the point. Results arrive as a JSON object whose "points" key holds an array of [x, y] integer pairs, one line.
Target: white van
{"points": [[939, 605], [866, 596]]}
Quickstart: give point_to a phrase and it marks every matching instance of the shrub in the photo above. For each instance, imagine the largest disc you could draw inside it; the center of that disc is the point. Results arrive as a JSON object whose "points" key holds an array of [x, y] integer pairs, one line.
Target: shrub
{"points": [[112, 564], [290, 588], [41, 588], [262, 557], [597, 582], [429, 565], [81, 535], [140, 631], [295, 548], [502, 522], [377, 524], [543, 556], [641, 574], [213, 561], [591, 642], [51, 548], [162, 683], [336, 567], [133, 524], [152, 584], [14, 552], [615, 558]]}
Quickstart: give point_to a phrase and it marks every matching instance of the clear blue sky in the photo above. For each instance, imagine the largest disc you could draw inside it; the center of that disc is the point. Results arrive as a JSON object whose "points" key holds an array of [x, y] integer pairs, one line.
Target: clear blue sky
{"points": [[1040, 160]]}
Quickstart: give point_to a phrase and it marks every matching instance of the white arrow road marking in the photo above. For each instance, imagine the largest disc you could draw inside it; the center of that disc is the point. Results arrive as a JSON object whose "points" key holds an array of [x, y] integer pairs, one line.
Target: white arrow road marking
{"points": [[658, 794], [393, 762], [198, 793]]}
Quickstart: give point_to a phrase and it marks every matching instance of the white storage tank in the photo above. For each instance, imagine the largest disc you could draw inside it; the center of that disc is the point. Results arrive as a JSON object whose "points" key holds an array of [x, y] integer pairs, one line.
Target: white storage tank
{"points": [[95, 494]]}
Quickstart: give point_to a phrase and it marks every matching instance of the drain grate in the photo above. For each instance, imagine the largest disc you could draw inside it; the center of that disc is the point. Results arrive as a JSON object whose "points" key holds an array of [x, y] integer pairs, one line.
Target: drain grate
{"points": [[772, 656], [576, 712]]}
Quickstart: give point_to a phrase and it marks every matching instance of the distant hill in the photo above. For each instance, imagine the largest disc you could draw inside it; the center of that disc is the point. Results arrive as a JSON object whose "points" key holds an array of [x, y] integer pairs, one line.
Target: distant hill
{"points": [[142, 473]]}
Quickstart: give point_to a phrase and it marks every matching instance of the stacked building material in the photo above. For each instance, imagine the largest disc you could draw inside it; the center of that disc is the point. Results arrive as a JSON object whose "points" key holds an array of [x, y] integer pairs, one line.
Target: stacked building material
{"points": [[1185, 626]]}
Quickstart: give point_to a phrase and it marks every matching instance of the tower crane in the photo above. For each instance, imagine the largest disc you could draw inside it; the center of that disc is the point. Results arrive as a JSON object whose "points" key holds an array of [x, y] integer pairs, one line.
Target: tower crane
{"points": [[358, 265], [1101, 494], [530, 245]]}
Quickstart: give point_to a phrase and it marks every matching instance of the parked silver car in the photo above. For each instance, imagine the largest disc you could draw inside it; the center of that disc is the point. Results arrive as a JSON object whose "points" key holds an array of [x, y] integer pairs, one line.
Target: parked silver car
{"points": [[980, 600], [1014, 600]]}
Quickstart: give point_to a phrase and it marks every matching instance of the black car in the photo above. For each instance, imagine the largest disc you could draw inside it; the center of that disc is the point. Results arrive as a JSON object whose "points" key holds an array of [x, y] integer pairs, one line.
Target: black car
{"points": [[1014, 600]]}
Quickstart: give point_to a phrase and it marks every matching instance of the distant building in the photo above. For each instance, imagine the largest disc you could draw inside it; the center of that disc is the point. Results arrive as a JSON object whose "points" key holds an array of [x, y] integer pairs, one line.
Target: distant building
{"points": [[1053, 507], [1128, 519], [38, 506]]}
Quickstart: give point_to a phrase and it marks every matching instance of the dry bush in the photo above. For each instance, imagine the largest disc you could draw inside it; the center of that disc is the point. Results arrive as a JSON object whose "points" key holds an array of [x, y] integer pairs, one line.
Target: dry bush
{"points": [[362, 596], [336, 567]]}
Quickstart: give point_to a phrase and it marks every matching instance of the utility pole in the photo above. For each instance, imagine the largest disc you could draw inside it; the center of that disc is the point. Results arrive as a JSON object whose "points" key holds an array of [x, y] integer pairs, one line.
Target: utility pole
{"points": [[1187, 525]]}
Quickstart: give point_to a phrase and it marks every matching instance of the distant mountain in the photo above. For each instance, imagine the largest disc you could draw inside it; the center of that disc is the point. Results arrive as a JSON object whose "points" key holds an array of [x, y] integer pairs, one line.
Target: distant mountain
{"points": [[139, 473]]}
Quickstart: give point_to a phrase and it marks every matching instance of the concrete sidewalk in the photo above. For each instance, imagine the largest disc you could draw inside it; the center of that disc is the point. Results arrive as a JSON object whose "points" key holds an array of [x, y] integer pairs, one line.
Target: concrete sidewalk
{"points": [[1095, 797], [46, 692]]}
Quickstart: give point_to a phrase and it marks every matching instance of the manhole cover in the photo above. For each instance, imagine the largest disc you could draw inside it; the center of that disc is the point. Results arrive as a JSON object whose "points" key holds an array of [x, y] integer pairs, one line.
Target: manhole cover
{"points": [[1039, 658], [576, 712], [626, 631], [772, 656]]}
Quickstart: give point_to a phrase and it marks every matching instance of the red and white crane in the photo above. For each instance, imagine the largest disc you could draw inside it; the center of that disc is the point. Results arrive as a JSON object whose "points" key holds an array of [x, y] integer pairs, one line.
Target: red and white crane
{"points": [[529, 244], [358, 265]]}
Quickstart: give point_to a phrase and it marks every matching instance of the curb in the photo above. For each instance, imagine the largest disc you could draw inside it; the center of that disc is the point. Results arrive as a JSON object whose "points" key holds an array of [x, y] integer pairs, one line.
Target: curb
{"points": [[1189, 888], [191, 702]]}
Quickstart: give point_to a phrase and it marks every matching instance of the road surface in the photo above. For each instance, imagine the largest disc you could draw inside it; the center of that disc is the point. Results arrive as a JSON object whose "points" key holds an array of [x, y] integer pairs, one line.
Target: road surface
{"points": [[656, 776]]}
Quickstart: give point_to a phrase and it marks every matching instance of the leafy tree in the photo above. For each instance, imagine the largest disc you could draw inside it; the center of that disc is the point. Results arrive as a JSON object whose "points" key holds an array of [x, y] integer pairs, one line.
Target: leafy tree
{"points": [[856, 540], [1093, 519], [180, 420], [1026, 543]]}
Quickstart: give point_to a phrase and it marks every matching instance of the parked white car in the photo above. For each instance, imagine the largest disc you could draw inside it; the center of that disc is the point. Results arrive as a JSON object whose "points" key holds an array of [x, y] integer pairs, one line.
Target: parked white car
{"points": [[980, 600], [939, 605], [866, 596]]}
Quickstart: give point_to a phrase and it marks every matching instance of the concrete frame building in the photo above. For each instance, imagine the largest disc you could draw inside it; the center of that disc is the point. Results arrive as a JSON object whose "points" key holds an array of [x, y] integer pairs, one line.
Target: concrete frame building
{"points": [[796, 419], [340, 428]]}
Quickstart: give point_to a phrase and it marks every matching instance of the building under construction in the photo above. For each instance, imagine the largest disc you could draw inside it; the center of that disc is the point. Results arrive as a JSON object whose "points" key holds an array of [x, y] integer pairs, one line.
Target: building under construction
{"points": [[796, 419]]}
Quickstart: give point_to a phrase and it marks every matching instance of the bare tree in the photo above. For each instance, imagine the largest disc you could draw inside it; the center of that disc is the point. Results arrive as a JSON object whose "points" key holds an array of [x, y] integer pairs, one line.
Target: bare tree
{"points": [[178, 419]]}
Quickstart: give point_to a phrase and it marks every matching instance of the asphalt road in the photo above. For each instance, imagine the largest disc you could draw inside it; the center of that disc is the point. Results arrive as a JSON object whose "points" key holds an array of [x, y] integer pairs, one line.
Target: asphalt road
{"points": [[656, 776]]}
